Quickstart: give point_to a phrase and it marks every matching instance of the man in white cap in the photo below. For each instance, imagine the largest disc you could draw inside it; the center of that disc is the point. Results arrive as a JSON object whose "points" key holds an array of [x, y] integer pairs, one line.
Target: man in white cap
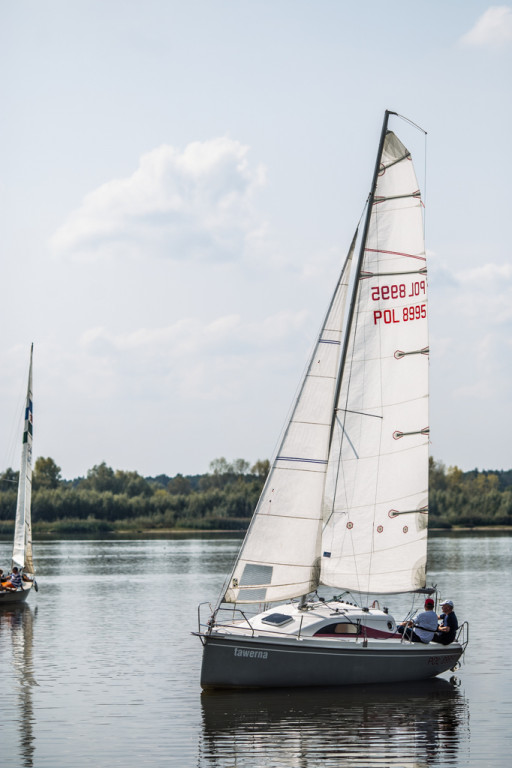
{"points": [[448, 624]]}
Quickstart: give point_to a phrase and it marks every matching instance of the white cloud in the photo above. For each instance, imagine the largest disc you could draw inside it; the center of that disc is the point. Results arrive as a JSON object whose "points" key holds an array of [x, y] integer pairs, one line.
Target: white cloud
{"points": [[178, 204], [197, 360], [486, 294], [471, 321], [492, 29]]}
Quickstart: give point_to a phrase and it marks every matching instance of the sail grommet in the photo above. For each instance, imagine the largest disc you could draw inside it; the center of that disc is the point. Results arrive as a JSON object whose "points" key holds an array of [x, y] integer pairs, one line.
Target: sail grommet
{"points": [[380, 528], [405, 528], [350, 526]]}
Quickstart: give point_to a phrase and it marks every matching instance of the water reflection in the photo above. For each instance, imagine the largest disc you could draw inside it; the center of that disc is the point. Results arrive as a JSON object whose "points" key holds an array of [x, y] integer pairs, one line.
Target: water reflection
{"points": [[415, 726], [16, 630]]}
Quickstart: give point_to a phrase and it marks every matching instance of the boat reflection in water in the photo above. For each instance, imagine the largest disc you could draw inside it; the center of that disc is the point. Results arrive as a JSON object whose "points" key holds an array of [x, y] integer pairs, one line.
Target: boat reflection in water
{"points": [[414, 726], [16, 636]]}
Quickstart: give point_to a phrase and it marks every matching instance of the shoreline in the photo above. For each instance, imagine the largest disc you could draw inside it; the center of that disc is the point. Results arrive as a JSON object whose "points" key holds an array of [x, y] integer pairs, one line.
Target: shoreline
{"points": [[239, 533]]}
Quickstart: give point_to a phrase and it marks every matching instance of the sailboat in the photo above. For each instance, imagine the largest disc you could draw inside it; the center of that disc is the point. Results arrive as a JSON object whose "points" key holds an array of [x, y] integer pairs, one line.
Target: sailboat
{"points": [[345, 504], [22, 548]]}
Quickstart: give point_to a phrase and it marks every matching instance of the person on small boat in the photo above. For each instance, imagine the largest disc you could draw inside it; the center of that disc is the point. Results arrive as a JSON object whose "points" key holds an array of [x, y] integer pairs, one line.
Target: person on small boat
{"points": [[448, 625], [421, 628], [14, 580]]}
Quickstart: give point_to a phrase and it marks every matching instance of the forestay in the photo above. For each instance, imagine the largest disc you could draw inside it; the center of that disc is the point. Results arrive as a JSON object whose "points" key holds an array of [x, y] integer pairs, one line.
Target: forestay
{"points": [[375, 505], [22, 551], [279, 558]]}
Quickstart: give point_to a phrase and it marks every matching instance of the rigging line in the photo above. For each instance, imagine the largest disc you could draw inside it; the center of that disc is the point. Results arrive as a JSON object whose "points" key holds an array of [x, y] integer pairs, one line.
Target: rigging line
{"points": [[335, 489], [422, 130], [345, 433], [415, 125], [425, 182], [361, 413]]}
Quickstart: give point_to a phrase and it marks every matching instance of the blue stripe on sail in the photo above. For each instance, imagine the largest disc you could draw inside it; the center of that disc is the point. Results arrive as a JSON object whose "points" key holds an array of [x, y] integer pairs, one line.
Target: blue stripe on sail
{"points": [[297, 458], [329, 341]]}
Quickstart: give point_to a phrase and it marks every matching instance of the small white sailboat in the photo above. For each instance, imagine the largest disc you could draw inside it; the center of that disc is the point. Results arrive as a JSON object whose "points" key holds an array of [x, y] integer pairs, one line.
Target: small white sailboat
{"points": [[22, 549], [345, 504]]}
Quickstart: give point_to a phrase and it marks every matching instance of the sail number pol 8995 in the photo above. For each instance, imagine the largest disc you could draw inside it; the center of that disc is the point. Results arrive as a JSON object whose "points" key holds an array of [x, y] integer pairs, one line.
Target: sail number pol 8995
{"points": [[404, 315], [398, 291]]}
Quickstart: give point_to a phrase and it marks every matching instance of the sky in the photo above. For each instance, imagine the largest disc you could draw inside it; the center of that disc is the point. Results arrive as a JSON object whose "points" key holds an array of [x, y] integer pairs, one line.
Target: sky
{"points": [[179, 185]]}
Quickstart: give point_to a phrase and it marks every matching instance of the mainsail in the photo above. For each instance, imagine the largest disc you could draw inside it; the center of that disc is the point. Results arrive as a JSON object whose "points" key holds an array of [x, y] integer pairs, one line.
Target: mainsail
{"points": [[346, 500], [22, 552], [375, 502], [279, 558]]}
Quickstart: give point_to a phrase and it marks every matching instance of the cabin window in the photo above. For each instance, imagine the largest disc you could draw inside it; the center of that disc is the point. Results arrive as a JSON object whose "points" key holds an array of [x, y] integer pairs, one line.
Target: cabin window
{"points": [[340, 628]]}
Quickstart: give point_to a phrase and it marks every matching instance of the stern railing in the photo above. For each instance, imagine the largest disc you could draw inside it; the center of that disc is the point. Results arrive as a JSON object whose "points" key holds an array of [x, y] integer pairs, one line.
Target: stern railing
{"points": [[462, 636]]}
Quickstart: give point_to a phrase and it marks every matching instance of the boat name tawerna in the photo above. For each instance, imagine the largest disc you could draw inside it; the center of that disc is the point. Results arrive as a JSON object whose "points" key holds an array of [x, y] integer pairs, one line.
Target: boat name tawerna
{"points": [[251, 654]]}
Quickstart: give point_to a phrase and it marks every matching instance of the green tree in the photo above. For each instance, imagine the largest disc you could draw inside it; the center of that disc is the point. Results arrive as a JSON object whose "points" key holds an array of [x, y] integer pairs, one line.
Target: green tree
{"points": [[241, 467], [132, 484], [261, 468], [220, 466], [7, 478], [46, 474], [100, 478], [179, 485]]}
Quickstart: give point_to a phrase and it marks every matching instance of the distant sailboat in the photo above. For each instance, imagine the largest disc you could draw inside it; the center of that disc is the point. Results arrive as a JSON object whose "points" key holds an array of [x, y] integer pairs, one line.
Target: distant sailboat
{"points": [[22, 549], [345, 504]]}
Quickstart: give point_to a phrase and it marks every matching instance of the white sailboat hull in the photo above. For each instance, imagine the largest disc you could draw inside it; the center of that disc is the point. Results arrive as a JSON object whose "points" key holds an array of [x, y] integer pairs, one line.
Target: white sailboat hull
{"points": [[254, 662]]}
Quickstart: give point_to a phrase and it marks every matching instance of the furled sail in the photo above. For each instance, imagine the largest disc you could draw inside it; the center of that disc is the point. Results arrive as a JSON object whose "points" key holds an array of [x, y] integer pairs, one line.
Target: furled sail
{"points": [[375, 503], [22, 552], [279, 557]]}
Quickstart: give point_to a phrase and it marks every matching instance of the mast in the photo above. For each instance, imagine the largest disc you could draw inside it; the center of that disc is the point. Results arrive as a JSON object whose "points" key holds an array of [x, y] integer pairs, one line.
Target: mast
{"points": [[355, 290]]}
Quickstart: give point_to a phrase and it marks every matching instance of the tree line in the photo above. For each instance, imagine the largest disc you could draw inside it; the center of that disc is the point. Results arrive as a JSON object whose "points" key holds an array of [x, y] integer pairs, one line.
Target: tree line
{"points": [[222, 499], [114, 500]]}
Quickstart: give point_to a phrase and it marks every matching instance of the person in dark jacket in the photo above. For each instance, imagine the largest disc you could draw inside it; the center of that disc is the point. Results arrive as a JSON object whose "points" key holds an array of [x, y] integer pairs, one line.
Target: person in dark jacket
{"points": [[448, 624]]}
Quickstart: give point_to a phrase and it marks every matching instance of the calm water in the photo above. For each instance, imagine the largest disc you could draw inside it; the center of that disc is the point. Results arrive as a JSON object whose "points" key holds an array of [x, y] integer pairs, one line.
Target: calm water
{"points": [[99, 669]]}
